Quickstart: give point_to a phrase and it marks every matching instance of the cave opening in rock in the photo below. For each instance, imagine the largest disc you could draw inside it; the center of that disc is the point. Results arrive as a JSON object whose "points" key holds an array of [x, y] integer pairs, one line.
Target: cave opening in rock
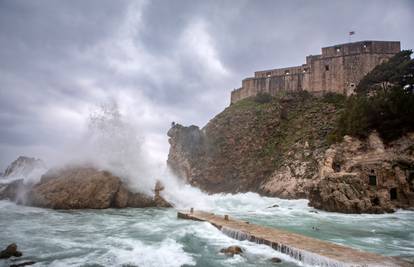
{"points": [[393, 193], [410, 179], [375, 201], [372, 179], [336, 167]]}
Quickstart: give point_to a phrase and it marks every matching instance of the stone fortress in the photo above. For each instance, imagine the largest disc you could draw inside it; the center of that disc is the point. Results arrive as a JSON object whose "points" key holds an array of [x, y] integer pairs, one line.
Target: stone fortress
{"points": [[338, 69]]}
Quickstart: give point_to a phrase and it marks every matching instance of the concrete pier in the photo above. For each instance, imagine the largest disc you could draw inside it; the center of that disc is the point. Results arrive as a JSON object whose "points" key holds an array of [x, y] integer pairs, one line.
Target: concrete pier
{"points": [[308, 250]]}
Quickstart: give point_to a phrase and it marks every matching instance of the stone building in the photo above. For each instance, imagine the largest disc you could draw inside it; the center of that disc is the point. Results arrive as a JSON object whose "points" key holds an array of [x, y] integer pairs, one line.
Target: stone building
{"points": [[338, 69]]}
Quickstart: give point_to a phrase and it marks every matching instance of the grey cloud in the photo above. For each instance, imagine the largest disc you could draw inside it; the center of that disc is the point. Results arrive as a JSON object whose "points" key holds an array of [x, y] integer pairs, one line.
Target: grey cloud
{"points": [[162, 60]]}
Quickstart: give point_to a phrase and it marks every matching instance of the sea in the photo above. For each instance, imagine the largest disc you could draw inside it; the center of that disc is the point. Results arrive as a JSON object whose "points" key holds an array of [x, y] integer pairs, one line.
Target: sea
{"points": [[155, 237]]}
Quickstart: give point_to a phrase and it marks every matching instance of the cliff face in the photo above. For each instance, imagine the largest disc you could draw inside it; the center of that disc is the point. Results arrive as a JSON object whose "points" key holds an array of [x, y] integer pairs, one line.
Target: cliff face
{"points": [[281, 148], [253, 146], [366, 176]]}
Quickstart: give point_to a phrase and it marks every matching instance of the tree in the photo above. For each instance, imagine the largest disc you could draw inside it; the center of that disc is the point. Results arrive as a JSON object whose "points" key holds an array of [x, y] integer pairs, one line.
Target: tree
{"points": [[381, 102], [397, 71]]}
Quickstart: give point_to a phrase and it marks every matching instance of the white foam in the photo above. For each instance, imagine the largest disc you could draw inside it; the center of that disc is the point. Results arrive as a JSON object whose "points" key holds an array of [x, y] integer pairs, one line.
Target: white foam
{"points": [[169, 254]]}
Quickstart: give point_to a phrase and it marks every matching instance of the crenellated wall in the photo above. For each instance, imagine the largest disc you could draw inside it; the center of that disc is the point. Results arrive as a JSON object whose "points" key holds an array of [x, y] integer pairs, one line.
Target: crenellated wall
{"points": [[338, 69]]}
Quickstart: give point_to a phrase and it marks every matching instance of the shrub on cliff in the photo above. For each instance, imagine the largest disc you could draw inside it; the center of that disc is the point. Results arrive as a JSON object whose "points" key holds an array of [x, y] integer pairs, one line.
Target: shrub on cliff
{"points": [[334, 98], [381, 103], [389, 112], [262, 98]]}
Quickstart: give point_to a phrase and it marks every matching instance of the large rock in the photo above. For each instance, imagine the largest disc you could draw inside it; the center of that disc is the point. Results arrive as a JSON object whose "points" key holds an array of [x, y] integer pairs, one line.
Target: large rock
{"points": [[232, 250], [366, 176], [85, 188], [10, 251]]}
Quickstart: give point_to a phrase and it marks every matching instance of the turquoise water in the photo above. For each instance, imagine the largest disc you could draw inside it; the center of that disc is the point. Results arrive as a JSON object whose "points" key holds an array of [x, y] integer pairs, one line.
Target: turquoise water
{"points": [[155, 237]]}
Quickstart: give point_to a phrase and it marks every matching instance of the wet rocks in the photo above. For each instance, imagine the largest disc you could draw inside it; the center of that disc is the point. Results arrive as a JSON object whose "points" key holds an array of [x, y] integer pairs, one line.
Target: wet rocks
{"points": [[13, 191], [158, 199], [23, 166], [86, 188], [275, 260], [75, 188], [10, 251], [232, 250], [366, 176], [273, 206], [21, 264]]}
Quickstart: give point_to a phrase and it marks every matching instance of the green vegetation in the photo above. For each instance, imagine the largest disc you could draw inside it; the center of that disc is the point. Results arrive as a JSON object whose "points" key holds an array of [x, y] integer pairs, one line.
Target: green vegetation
{"points": [[381, 103], [263, 98], [389, 112], [337, 99], [396, 72]]}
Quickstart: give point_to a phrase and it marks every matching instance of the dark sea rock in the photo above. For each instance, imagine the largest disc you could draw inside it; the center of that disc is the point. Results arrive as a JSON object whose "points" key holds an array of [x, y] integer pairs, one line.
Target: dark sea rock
{"points": [[232, 250], [10, 251], [275, 260], [21, 264]]}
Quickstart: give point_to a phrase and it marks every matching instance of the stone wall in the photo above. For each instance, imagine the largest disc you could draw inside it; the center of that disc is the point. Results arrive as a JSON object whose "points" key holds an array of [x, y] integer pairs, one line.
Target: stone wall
{"points": [[338, 69]]}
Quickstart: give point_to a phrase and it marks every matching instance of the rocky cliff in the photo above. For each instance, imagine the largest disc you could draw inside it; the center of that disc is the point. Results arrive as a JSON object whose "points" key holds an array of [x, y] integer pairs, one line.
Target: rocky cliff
{"points": [[366, 176], [282, 148], [250, 145]]}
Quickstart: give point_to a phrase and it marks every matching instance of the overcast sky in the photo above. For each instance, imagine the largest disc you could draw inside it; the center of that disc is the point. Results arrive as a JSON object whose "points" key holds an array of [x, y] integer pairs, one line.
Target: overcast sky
{"points": [[161, 61]]}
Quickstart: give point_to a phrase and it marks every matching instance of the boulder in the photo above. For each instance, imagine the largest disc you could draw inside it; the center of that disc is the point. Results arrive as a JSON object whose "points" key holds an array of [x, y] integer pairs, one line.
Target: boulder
{"points": [[10, 251], [275, 260], [86, 188], [161, 202], [232, 250]]}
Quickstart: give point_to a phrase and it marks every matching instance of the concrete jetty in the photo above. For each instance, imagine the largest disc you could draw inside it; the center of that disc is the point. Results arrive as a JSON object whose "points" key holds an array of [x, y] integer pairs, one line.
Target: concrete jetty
{"points": [[310, 251]]}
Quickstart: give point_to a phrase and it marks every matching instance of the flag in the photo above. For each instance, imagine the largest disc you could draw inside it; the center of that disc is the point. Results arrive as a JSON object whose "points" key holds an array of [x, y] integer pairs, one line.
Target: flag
{"points": [[351, 33]]}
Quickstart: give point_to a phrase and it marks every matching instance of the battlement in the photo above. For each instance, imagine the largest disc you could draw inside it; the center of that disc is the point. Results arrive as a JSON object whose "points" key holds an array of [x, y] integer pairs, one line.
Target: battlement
{"points": [[363, 47], [339, 68]]}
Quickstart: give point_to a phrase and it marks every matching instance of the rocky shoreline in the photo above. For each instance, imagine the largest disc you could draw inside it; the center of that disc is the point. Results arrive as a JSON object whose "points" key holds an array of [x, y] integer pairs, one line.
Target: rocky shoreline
{"points": [[79, 187]]}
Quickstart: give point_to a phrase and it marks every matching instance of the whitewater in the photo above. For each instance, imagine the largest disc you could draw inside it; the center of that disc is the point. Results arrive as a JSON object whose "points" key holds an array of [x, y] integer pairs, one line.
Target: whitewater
{"points": [[155, 237]]}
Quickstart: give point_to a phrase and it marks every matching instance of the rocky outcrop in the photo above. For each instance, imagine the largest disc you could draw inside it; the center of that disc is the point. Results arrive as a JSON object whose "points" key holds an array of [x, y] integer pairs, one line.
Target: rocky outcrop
{"points": [[24, 166], [271, 148], [366, 176], [79, 188], [232, 250], [10, 251]]}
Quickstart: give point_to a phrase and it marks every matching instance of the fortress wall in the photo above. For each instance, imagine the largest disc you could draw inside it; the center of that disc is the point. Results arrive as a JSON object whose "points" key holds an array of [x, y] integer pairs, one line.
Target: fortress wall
{"points": [[326, 75], [338, 69], [279, 72]]}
